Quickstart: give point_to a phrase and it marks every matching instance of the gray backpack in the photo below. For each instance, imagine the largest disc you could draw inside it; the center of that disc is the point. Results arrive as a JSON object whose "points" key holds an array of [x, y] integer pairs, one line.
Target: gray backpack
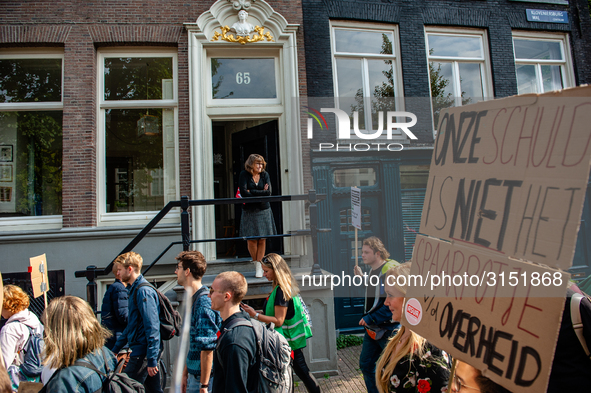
{"points": [[275, 354]]}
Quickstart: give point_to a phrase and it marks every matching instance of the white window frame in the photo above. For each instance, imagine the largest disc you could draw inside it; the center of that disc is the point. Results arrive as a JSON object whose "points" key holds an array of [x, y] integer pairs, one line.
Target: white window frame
{"points": [[243, 53], [485, 70], [33, 222], [143, 217], [568, 79], [397, 135]]}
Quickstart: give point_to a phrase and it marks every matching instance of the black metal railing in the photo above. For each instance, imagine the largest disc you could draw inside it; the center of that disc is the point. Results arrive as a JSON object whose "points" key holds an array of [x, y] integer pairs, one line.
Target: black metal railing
{"points": [[92, 272]]}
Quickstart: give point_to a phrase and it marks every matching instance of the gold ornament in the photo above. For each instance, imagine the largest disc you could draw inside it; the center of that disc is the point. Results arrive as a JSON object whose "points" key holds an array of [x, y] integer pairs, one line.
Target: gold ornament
{"points": [[259, 35]]}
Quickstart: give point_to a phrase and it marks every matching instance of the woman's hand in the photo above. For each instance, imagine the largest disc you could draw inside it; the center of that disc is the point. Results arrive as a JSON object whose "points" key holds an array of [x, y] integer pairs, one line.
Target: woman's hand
{"points": [[266, 186], [248, 309]]}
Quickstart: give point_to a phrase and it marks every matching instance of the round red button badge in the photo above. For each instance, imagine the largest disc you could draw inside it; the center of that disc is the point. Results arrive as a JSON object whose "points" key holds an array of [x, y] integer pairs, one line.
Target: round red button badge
{"points": [[413, 312]]}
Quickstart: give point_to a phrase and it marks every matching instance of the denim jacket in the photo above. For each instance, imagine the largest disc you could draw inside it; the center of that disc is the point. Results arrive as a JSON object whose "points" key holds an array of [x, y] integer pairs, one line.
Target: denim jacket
{"points": [[143, 324], [78, 379], [114, 311]]}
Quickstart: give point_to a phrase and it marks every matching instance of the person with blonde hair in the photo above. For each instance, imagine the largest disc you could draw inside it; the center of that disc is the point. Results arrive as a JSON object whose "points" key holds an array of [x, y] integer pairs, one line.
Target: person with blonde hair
{"points": [[16, 332], [257, 218], [284, 309], [73, 333], [143, 325], [409, 362]]}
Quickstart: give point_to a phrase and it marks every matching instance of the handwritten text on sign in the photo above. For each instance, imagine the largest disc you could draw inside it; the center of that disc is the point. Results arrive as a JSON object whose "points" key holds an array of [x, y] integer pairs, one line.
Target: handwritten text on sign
{"points": [[502, 329], [512, 177]]}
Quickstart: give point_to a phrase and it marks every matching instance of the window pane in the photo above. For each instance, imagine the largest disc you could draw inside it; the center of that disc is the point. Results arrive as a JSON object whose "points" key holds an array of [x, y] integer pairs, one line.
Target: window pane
{"points": [[243, 78], [551, 77], [140, 166], [30, 163], [455, 46], [539, 50], [358, 177], [470, 82], [441, 78], [414, 176], [31, 80], [526, 78], [350, 88], [381, 83], [148, 78], [355, 41]]}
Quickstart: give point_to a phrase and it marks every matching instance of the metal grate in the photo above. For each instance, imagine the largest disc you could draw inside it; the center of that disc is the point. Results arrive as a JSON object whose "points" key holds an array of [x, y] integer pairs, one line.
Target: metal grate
{"points": [[412, 208], [56, 287]]}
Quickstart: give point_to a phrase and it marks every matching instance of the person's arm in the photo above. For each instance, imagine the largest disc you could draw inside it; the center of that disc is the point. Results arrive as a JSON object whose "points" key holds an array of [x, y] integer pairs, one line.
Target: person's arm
{"points": [[148, 307], [379, 316], [277, 319], [184, 380], [206, 363], [121, 341], [8, 343], [243, 184]]}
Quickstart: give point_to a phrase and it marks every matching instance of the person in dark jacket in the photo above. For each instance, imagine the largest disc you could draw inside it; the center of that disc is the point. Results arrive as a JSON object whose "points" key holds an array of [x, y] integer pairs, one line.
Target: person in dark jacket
{"points": [[73, 333], [257, 218], [377, 317], [235, 364], [114, 310], [143, 326]]}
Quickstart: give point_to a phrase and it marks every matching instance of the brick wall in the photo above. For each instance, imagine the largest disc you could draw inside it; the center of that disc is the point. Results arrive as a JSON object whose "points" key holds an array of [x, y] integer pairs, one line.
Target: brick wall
{"points": [[81, 28], [498, 18]]}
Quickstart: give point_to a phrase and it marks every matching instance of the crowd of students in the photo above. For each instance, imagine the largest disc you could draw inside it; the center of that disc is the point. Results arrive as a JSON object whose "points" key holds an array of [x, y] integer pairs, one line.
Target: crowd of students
{"points": [[224, 355]]}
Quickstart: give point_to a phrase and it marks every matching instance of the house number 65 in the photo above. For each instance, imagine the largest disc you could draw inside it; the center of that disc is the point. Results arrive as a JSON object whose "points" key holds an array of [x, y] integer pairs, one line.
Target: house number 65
{"points": [[243, 77]]}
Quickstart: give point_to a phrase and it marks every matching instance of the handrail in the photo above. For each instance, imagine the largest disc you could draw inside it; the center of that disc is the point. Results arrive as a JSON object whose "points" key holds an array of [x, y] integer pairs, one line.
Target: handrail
{"points": [[92, 271]]}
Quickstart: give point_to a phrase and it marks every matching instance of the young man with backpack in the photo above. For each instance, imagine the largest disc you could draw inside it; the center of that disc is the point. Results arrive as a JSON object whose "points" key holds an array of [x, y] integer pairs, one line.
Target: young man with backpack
{"points": [[377, 318], [235, 362], [205, 324], [143, 326]]}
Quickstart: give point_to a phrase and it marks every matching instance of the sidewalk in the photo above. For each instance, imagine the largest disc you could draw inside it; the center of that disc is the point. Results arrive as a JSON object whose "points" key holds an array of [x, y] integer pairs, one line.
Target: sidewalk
{"points": [[349, 379]]}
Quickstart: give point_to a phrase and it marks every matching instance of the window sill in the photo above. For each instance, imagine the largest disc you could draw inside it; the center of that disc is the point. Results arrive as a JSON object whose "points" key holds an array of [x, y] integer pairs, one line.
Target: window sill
{"points": [[35, 223]]}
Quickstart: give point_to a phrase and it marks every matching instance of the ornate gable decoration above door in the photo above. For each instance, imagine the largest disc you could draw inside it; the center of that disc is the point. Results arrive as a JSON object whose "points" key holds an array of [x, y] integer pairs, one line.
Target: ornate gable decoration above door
{"points": [[241, 21]]}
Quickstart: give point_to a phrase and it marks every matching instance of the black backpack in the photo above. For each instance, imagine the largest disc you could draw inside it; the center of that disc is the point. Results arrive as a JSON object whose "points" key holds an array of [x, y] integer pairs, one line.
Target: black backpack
{"points": [[32, 363], [170, 319], [113, 380], [274, 352]]}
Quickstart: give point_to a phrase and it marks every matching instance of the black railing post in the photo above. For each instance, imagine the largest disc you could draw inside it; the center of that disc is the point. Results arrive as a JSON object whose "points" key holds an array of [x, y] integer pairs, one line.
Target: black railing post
{"points": [[185, 229], [314, 231], [91, 287]]}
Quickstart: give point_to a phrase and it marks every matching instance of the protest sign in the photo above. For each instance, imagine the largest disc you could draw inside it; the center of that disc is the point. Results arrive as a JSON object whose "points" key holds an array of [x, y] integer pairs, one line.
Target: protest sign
{"points": [[510, 175], [39, 281], [356, 207], [506, 189], [500, 315]]}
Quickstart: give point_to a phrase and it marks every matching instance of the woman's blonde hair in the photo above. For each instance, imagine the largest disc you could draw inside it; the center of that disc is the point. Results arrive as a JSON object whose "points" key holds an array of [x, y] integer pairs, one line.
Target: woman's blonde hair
{"points": [[283, 276], [15, 299], [413, 344], [72, 331], [253, 159]]}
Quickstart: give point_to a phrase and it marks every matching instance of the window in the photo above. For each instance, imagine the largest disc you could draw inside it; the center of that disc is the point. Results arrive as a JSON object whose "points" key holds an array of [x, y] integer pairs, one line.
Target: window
{"points": [[367, 75], [31, 137], [458, 68], [138, 105], [541, 63]]}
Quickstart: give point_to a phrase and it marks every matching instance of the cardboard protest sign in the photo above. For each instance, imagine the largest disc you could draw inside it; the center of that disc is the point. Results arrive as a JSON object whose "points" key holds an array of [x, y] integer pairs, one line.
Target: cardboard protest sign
{"points": [[356, 207], [500, 315], [510, 175], [38, 270]]}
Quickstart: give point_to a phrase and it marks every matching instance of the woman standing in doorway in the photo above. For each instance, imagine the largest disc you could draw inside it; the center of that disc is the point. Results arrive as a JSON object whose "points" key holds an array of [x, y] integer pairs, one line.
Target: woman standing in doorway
{"points": [[285, 310], [257, 218]]}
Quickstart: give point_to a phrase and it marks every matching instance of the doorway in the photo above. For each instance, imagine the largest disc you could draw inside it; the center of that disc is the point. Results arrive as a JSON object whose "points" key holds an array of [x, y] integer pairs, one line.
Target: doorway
{"points": [[233, 142]]}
